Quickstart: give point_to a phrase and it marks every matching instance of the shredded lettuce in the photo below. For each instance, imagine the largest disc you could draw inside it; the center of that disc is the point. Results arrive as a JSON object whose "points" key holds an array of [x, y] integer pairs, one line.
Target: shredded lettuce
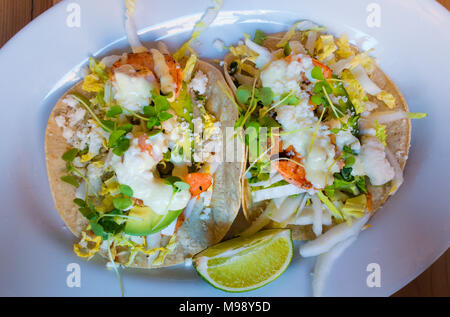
{"points": [[324, 199], [416, 115], [95, 82], [206, 20], [189, 68]]}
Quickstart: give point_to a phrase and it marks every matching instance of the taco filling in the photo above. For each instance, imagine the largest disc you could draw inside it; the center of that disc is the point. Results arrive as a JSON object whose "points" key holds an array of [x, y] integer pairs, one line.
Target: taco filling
{"points": [[143, 158], [327, 133]]}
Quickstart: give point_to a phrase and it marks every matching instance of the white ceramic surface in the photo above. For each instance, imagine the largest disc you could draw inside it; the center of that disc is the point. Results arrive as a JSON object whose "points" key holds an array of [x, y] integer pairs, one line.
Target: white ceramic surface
{"points": [[42, 61]]}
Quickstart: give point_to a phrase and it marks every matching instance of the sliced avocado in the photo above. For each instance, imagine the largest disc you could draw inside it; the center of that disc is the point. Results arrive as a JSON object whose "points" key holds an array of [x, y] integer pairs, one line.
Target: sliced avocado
{"points": [[149, 222]]}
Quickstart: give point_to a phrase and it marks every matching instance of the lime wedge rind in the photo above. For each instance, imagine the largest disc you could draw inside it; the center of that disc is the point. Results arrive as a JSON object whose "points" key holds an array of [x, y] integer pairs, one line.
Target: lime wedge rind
{"points": [[201, 265]]}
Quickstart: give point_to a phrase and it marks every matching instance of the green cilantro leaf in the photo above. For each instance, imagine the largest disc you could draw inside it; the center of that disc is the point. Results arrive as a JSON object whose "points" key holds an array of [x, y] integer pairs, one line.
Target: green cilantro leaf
{"points": [[70, 155], [259, 37], [114, 137], [243, 94], [122, 202], [72, 180], [163, 116], [114, 111], [161, 103], [317, 73], [126, 190]]}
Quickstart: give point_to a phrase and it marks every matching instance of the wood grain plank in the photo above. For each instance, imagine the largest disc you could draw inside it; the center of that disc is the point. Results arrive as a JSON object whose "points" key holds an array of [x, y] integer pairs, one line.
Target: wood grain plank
{"points": [[435, 281], [14, 15], [39, 6]]}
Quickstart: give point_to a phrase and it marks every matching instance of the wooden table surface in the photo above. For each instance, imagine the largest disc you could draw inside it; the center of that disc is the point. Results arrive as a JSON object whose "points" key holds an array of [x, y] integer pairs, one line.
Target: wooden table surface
{"points": [[15, 14]]}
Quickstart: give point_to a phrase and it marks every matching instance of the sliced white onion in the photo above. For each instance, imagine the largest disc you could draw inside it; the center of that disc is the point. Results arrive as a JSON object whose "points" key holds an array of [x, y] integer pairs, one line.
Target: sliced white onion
{"points": [[307, 217], [398, 176], [366, 83], [189, 207], [287, 209], [303, 204], [329, 239], [311, 41], [108, 61], [276, 192], [133, 38], [387, 116], [297, 48], [264, 55], [317, 219], [325, 262], [279, 201], [339, 66], [261, 221]]}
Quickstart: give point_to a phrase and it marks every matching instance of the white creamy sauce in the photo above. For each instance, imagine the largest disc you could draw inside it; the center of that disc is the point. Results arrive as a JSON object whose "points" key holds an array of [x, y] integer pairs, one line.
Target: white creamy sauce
{"points": [[284, 77], [135, 169], [319, 159], [132, 92]]}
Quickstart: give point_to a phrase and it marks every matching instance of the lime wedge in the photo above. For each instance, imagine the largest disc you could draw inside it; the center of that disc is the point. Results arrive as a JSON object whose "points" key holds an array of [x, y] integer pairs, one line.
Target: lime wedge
{"points": [[246, 263]]}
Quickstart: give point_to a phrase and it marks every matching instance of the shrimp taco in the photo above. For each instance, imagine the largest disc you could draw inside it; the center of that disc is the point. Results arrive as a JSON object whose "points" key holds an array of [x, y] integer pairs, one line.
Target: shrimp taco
{"points": [[134, 158], [335, 129]]}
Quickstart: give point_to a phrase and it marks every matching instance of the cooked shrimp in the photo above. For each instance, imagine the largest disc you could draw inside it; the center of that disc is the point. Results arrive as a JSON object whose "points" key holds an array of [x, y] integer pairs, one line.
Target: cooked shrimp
{"points": [[144, 65], [292, 172]]}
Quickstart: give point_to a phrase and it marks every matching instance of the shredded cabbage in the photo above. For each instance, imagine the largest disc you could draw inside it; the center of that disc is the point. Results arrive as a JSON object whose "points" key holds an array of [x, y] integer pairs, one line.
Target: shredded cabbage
{"points": [[344, 50], [83, 249], [189, 68], [169, 248], [355, 207], [387, 98], [304, 25], [380, 132], [362, 59], [325, 47], [331, 207], [206, 20], [92, 83], [355, 91]]}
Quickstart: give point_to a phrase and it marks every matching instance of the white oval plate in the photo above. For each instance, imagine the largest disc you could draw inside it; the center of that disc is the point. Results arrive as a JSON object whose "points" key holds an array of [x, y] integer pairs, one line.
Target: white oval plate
{"points": [[42, 61]]}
